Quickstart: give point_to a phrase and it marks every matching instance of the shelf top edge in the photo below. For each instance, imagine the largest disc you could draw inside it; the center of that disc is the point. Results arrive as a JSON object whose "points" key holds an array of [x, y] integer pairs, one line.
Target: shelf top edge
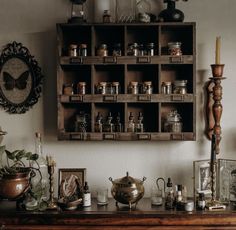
{"points": [[127, 24]]}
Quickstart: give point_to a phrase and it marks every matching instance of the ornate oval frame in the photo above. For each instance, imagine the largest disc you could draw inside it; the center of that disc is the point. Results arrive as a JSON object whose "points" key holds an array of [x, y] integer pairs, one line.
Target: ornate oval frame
{"points": [[20, 79]]}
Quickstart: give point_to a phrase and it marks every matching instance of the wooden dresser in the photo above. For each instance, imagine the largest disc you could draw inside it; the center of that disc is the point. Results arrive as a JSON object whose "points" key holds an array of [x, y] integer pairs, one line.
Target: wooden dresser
{"points": [[101, 217]]}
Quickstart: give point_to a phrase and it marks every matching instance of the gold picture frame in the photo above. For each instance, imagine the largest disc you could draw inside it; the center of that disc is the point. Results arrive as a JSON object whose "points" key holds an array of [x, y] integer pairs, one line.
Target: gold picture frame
{"points": [[70, 181]]}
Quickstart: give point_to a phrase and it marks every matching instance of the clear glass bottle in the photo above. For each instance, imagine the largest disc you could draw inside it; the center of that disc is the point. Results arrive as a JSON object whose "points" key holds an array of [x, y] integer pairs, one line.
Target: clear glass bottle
{"points": [[108, 126], [169, 201], [118, 126], [139, 125], [40, 183], [201, 202], [131, 123], [180, 87], [86, 195], [98, 123]]}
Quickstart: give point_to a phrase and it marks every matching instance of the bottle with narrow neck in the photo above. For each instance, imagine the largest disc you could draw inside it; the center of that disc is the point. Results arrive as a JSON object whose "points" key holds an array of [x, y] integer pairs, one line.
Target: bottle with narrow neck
{"points": [[131, 123], [41, 180], [139, 125]]}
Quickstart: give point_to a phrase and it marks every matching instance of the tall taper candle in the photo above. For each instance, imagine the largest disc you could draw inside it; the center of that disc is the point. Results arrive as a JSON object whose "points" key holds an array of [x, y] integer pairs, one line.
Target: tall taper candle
{"points": [[217, 61]]}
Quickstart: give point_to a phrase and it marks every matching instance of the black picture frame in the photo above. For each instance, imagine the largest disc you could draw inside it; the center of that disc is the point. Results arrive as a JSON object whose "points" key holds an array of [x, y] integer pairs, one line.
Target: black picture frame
{"points": [[20, 79]]}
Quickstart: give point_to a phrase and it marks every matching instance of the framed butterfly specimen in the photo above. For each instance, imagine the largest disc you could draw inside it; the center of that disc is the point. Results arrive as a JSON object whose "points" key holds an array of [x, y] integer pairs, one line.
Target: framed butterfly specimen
{"points": [[20, 79]]}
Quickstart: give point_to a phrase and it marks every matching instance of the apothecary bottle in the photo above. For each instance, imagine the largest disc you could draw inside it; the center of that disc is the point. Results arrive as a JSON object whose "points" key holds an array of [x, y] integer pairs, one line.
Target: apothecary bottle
{"points": [[40, 184], [73, 52], [118, 126], [117, 49], [150, 49], [139, 125], [175, 48], [180, 87], [98, 123], [169, 201], [201, 202], [115, 87], [86, 195], [131, 123], [83, 50], [101, 88], [147, 87], [102, 50], [108, 126]]}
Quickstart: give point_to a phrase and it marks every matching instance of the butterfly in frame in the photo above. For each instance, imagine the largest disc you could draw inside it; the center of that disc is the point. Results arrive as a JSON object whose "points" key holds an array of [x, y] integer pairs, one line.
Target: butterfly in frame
{"points": [[20, 83]]}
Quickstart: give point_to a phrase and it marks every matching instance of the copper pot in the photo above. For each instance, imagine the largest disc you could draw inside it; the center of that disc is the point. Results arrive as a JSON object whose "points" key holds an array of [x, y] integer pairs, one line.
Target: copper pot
{"points": [[127, 190], [13, 187]]}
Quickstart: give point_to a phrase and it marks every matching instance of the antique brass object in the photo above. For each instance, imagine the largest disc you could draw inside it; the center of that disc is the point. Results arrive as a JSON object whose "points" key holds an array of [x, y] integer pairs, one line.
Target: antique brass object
{"points": [[13, 187], [127, 190]]}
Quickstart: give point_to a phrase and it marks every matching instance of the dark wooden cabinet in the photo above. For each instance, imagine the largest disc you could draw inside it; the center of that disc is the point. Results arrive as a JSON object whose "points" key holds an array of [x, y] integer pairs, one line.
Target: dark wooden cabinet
{"points": [[93, 69], [111, 218]]}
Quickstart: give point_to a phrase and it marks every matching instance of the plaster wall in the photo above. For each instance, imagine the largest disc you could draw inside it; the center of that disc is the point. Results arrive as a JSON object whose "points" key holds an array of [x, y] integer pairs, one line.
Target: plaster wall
{"points": [[33, 23]]}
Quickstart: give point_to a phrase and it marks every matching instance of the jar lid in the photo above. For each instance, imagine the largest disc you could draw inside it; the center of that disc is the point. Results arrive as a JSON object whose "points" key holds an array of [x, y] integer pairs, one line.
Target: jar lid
{"points": [[167, 83], [127, 180], [73, 46], [174, 44], [102, 83], [81, 83], [147, 83], [135, 83], [115, 83], [180, 82], [83, 46]]}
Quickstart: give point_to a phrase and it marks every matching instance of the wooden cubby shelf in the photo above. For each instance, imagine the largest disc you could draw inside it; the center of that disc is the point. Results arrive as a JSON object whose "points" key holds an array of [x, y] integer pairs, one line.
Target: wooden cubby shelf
{"points": [[77, 113]]}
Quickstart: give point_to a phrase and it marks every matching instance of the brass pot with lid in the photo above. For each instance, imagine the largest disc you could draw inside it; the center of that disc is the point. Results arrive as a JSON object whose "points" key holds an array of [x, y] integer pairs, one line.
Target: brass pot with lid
{"points": [[127, 190]]}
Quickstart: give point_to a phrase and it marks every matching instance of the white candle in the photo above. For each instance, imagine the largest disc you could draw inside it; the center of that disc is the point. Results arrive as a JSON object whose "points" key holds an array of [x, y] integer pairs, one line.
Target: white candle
{"points": [[217, 58]]}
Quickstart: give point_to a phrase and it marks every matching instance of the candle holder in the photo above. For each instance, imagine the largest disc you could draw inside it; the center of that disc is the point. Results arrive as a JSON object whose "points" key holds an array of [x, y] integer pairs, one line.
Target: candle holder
{"points": [[214, 106], [51, 202]]}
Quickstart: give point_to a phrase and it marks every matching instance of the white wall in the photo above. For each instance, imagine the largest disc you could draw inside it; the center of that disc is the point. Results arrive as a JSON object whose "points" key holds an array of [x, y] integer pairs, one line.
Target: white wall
{"points": [[33, 23]]}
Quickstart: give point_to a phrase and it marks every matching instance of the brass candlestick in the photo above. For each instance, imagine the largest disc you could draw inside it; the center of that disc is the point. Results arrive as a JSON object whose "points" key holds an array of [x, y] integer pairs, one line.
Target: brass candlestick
{"points": [[51, 202]]}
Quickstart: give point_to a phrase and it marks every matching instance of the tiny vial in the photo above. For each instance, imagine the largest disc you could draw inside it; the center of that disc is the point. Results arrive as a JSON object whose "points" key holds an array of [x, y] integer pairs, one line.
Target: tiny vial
{"points": [[106, 16], [81, 88], [73, 50], [201, 203], [118, 126], [83, 50]]}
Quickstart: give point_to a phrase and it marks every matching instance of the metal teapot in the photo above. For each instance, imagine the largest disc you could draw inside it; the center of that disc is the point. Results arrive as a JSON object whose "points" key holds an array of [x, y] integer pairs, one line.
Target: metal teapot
{"points": [[127, 190]]}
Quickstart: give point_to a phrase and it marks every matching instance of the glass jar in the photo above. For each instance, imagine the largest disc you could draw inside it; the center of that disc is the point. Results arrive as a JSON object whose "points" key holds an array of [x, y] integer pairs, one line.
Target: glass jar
{"points": [[166, 87], [143, 9], [108, 126], [101, 88], [68, 89], [147, 87], [175, 48], [133, 49], [131, 124], [98, 123], [81, 88], [83, 50], [106, 16], [180, 87], [116, 87], [173, 122], [73, 50], [81, 122], [141, 51], [116, 49], [150, 49], [102, 50], [133, 87]]}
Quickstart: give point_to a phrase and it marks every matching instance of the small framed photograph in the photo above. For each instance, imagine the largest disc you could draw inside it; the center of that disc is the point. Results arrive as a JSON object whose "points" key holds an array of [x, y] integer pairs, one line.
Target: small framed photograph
{"points": [[202, 177], [71, 181]]}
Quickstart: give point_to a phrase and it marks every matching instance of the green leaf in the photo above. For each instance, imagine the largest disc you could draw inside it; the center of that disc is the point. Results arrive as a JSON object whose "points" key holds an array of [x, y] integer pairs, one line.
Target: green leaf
{"points": [[28, 155], [20, 155], [10, 155], [34, 157]]}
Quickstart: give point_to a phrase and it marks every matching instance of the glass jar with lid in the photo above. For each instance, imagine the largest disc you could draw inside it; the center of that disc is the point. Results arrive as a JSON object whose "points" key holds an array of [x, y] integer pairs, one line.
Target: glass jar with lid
{"points": [[115, 87], [81, 88], [175, 48], [73, 52], [147, 87], [150, 49], [173, 122], [101, 88], [102, 50], [116, 49], [133, 49], [180, 87], [133, 87]]}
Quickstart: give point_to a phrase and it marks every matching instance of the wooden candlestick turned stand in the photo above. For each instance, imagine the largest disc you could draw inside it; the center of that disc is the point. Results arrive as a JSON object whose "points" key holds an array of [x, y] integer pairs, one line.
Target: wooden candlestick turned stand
{"points": [[214, 113]]}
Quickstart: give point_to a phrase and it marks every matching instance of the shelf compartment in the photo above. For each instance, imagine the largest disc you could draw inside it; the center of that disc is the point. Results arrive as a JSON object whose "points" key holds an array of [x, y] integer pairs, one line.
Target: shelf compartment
{"points": [[170, 73], [186, 112], [142, 34], [109, 35], [105, 109], [141, 73], [109, 73], [178, 33], [74, 74], [150, 115], [73, 34], [70, 111]]}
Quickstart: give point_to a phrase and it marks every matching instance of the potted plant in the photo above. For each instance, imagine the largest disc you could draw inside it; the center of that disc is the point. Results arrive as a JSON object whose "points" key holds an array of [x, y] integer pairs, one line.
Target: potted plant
{"points": [[16, 173]]}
